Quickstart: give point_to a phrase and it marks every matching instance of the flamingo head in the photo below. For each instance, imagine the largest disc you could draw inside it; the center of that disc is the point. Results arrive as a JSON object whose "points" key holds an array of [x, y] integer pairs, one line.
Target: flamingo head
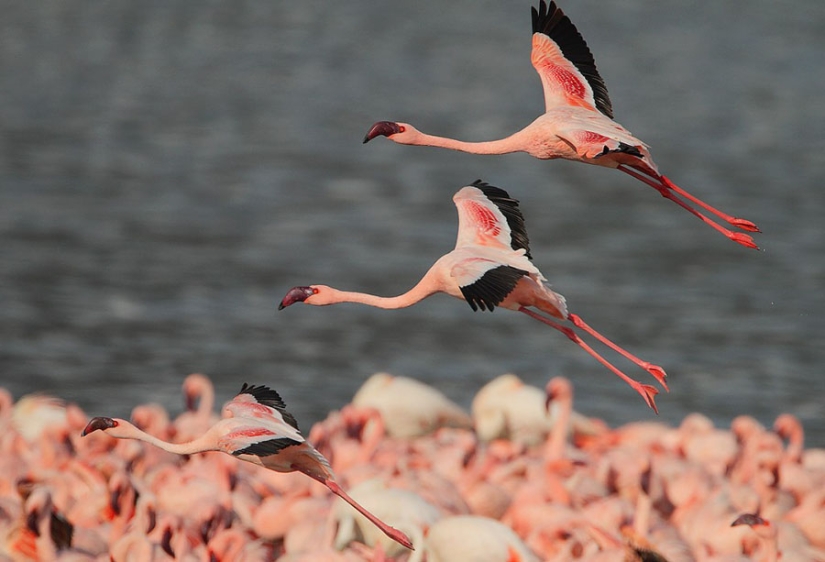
{"points": [[99, 423], [557, 388], [386, 129], [298, 294]]}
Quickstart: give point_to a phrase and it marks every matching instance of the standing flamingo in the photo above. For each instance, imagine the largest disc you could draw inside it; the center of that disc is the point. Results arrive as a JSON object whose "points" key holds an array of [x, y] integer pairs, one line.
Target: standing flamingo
{"points": [[490, 266], [577, 123], [255, 428]]}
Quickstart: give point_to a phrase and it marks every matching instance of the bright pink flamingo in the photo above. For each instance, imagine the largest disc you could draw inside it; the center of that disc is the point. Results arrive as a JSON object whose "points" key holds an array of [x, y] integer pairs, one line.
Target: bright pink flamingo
{"points": [[255, 428], [577, 124], [490, 266]]}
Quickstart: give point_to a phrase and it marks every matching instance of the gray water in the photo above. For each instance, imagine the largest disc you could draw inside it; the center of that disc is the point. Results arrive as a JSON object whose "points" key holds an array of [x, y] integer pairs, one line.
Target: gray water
{"points": [[170, 169]]}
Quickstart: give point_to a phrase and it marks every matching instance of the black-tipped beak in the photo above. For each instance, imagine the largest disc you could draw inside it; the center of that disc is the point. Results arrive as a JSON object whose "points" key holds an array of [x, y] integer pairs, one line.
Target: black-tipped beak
{"points": [[296, 294], [382, 129], [98, 423], [749, 519]]}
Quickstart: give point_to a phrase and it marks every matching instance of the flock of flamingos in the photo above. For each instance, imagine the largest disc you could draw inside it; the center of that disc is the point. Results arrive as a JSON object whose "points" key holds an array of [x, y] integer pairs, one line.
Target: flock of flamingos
{"points": [[523, 477]]}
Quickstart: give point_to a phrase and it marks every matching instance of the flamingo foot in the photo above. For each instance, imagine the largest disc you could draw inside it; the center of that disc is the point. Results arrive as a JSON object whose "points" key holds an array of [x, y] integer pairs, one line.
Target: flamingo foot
{"points": [[658, 373], [744, 239], [648, 392], [744, 224]]}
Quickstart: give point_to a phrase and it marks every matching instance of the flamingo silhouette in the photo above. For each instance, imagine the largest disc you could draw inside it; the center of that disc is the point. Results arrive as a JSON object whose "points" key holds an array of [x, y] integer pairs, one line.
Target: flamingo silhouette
{"points": [[255, 428], [577, 124], [490, 266]]}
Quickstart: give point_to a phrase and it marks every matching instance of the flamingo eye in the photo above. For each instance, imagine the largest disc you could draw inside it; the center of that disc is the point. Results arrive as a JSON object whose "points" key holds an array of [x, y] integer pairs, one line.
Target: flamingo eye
{"points": [[314, 291], [401, 128]]}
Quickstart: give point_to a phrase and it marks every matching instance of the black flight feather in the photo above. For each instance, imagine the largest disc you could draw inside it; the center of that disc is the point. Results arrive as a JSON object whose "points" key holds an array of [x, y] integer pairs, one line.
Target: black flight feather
{"points": [[490, 289], [509, 208], [558, 27], [267, 448], [268, 397]]}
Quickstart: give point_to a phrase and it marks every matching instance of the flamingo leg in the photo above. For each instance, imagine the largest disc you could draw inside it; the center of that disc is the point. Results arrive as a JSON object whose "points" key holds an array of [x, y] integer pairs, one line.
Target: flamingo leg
{"points": [[391, 532], [744, 224], [665, 187], [647, 391], [655, 370]]}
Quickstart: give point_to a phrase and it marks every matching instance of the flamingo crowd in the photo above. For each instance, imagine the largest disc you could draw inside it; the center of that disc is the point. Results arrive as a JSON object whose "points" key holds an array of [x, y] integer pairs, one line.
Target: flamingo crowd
{"points": [[521, 476]]}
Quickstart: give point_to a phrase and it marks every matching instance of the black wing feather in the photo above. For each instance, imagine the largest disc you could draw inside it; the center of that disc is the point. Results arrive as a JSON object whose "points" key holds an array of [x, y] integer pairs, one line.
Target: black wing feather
{"points": [[490, 289], [509, 208], [558, 27], [268, 397], [267, 448]]}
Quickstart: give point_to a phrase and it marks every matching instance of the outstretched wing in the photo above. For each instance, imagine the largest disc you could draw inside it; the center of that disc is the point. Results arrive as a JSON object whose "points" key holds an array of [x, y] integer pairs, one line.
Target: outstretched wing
{"points": [[564, 63], [488, 216], [260, 402], [485, 283]]}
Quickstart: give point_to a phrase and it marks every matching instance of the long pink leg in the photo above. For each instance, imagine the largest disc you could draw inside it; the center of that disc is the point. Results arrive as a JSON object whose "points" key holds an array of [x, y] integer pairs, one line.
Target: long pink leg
{"points": [[744, 224], [655, 370], [647, 391], [665, 191], [391, 532]]}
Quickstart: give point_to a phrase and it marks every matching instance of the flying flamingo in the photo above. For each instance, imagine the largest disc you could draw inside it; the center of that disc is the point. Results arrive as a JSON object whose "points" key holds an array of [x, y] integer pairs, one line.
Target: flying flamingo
{"points": [[255, 428], [577, 123], [490, 266]]}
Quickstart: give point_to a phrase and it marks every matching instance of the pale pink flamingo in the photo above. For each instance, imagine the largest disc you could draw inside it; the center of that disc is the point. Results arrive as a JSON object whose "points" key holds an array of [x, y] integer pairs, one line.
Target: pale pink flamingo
{"points": [[255, 428], [470, 537], [409, 408], [490, 266], [577, 124], [404, 508]]}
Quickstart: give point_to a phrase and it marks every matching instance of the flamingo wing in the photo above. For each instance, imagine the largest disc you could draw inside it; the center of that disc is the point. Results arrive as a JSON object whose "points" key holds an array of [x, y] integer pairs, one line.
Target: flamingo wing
{"points": [[565, 64], [261, 402], [488, 216], [268, 447], [485, 283]]}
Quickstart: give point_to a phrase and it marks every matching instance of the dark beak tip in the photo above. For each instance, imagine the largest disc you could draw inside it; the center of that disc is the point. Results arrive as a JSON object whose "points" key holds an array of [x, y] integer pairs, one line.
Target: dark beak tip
{"points": [[281, 306]]}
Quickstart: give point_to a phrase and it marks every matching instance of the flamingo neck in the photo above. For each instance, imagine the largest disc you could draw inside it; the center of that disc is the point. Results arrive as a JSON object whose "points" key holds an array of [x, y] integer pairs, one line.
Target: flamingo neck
{"points": [[418, 293], [558, 434], [500, 146], [126, 430]]}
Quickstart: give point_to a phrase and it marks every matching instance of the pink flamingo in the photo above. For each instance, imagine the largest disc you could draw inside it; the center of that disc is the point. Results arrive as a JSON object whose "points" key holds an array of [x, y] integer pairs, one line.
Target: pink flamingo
{"points": [[490, 266], [577, 124], [255, 428]]}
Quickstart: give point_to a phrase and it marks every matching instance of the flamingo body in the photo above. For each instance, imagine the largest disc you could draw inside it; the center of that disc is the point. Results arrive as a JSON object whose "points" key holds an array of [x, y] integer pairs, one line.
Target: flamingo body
{"points": [[255, 428], [489, 267], [577, 123]]}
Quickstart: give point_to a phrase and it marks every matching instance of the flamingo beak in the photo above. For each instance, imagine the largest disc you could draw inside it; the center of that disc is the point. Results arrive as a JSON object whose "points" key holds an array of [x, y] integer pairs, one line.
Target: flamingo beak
{"points": [[382, 129], [98, 423], [749, 519], [296, 294]]}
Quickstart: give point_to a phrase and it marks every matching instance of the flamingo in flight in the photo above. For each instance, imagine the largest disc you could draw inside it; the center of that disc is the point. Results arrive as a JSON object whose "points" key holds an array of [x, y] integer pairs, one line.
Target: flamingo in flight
{"points": [[255, 428], [490, 266], [577, 123]]}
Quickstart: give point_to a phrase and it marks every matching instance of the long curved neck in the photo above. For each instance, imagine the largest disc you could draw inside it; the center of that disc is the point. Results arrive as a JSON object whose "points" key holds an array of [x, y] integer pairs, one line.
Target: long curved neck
{"points": [[558, 434], [421, 291], [125, 430], [500, 146], [207, 401]]}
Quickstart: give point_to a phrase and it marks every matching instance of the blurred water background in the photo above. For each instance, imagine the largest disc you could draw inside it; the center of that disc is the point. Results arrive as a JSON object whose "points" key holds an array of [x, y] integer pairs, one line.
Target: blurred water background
{"points": [[169, 169]]}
